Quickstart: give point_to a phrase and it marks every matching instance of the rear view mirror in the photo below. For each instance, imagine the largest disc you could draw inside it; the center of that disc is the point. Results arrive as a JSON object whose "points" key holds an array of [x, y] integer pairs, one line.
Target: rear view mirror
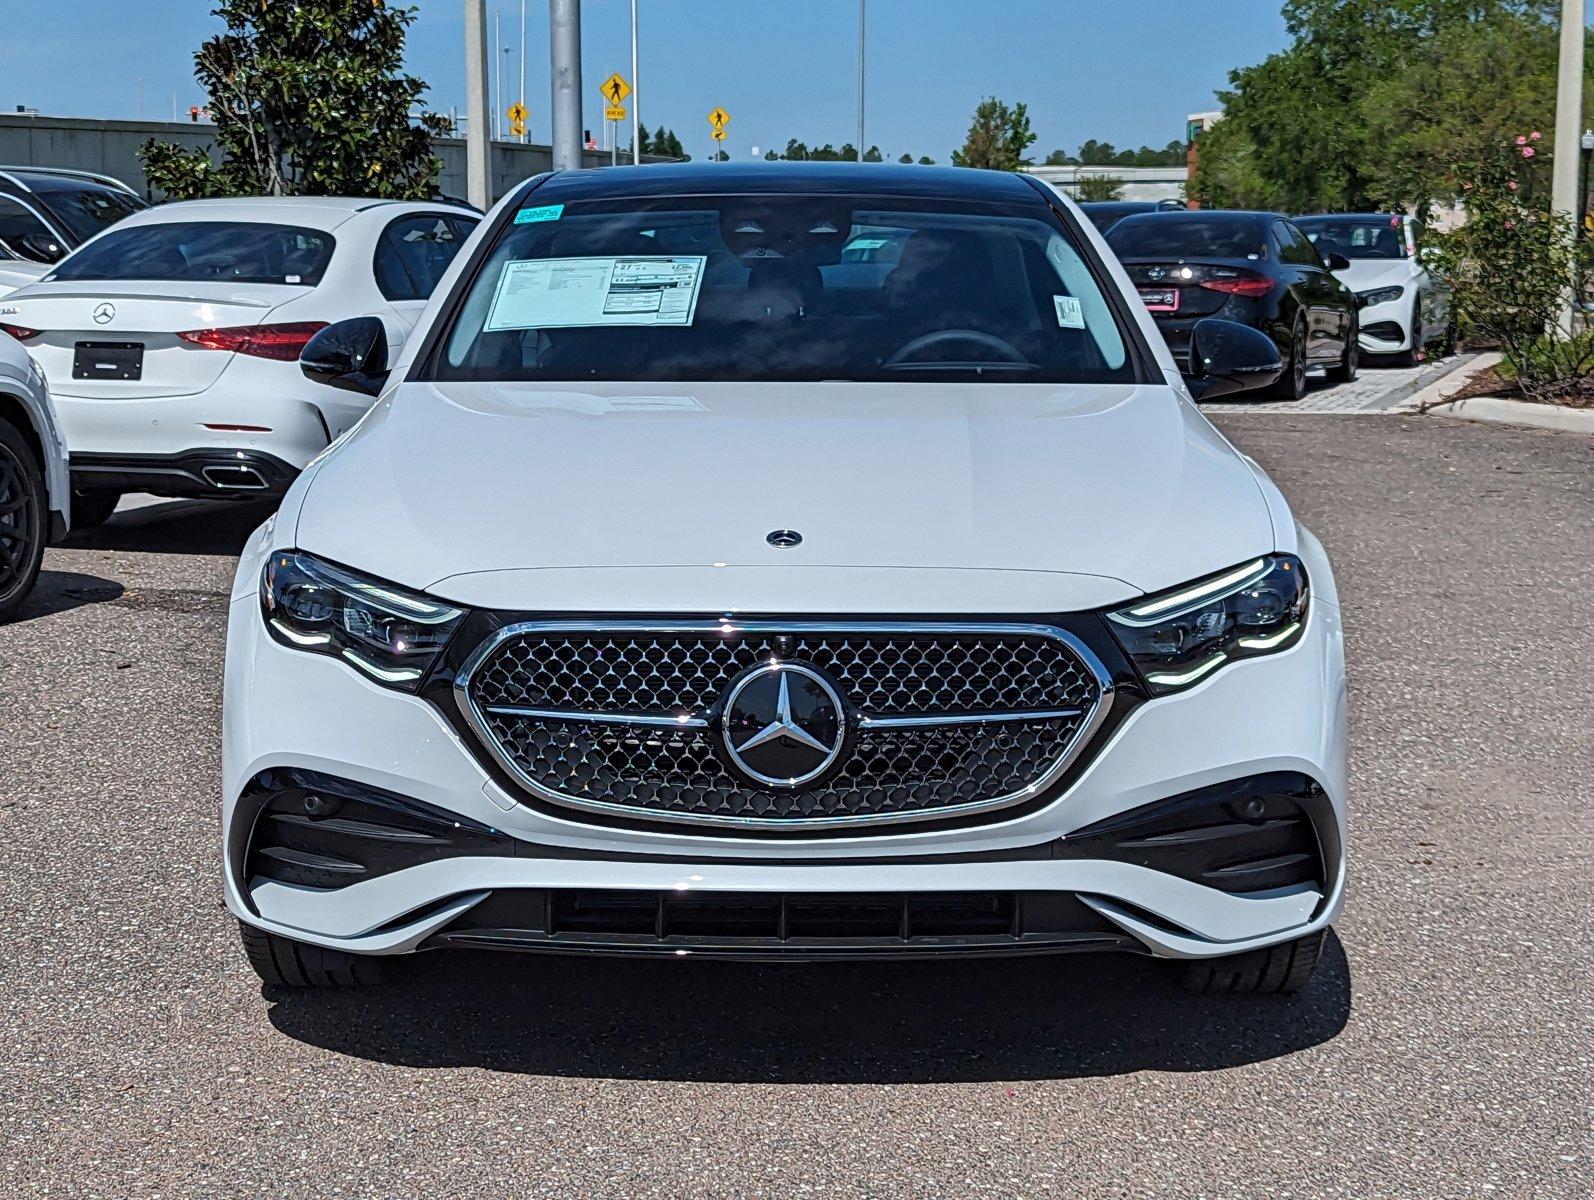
{"points": [[351, 355], [1227, 357]]}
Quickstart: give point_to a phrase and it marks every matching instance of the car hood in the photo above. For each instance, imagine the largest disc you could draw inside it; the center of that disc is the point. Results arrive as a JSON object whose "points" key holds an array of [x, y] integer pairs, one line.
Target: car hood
{"points": [[909, 498], [1366, 273]]}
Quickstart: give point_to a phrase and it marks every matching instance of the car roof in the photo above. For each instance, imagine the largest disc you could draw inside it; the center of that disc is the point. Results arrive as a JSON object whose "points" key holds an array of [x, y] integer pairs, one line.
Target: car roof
{"points": [[781, 178], [1353, 216], [314, 212], [1119, 205]]}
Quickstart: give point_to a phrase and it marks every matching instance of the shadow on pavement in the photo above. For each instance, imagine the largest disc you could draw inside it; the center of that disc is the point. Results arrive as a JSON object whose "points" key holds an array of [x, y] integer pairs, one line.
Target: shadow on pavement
{"points": [[705, 1021], [176, 527], [62, 591]]}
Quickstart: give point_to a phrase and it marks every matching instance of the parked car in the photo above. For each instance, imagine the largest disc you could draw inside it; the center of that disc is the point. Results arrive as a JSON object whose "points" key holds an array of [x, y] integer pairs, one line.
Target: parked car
{"points": [[47, 212], [170, 341], [1403, 309], [691, 590], [33, 476], [1256, 268], [1104, 214]]}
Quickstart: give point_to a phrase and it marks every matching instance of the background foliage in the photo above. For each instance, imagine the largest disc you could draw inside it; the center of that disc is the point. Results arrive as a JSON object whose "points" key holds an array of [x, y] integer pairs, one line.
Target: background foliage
{"points": [[309, 98]]}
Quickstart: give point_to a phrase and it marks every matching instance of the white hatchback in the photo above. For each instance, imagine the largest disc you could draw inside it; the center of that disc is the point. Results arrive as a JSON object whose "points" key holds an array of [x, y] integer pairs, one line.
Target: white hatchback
{"points": [[170, 340]]}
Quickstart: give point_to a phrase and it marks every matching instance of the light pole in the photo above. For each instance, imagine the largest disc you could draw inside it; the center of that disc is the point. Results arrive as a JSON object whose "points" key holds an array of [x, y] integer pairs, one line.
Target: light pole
{"points": [[862, 21], [1568, 124], [520, 96], [478, 171], [636, 101], [564, 53]]}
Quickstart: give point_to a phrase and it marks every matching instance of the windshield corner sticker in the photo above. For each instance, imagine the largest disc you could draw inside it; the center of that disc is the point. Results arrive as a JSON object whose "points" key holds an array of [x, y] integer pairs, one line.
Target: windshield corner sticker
{"points": [[1069, 313], [545, 212], [563, 293]]}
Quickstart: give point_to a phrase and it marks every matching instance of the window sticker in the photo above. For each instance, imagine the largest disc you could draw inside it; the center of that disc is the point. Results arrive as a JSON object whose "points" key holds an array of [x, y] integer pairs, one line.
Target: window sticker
{"points": [[563, 293], [1069, 313], [545, 212], [866, 243]]}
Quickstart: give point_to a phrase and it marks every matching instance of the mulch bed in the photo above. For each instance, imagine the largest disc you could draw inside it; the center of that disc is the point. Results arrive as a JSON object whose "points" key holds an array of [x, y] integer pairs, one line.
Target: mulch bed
{"points": [[1490, 382]]}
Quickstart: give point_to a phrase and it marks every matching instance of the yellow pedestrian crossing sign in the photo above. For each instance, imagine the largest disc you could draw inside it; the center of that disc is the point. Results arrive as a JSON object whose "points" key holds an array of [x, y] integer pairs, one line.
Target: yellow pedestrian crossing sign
{"points": [[717, 133], [719, 118], [516, 113], [613, 112], [615, 89]]}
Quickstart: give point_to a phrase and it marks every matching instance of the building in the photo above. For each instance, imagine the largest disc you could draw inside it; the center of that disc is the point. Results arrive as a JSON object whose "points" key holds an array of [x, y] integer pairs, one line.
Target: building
{"points": [[1139, 183]]}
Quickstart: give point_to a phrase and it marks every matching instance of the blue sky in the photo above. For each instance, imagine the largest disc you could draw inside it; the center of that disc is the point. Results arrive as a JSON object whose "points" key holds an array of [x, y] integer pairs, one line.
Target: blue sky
{"points": [[1125, 71]]}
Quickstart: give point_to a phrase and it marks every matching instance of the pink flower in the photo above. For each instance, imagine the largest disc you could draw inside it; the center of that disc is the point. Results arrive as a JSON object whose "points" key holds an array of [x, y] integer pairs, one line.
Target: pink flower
{"points": [[1528, 151], [1466, 187], [1512, 185], [1510, 224], [1535, 135], [1521, 141]]}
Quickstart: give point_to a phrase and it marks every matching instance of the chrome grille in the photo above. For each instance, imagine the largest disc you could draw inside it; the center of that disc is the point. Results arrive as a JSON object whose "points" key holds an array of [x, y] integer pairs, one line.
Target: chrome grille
{"points": [[621, 718]]}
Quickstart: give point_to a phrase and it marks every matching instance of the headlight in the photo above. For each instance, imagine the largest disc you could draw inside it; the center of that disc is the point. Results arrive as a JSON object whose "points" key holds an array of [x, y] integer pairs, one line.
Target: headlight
{"points": [[1182, 636], [1379, 296], [389, 633]]}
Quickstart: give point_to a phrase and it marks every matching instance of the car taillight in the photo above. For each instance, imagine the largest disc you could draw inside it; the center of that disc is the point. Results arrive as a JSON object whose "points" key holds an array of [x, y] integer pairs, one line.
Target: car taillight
{"points": [[21, 332], [1247, 284], [281, 342]]}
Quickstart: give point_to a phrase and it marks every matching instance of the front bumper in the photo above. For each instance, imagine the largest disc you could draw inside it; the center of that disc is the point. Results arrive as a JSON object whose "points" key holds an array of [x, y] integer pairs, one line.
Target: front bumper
{"points": [[1385, 328], [1282, 714]]}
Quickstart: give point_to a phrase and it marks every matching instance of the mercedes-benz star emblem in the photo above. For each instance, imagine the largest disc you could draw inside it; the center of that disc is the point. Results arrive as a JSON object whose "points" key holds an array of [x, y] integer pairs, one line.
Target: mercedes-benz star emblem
{"points": [[783, 725], [783, 539], [103, 313]]}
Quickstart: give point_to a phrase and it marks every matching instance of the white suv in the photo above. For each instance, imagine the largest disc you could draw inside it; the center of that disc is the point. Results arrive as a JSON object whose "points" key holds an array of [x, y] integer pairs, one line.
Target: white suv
{"points": [[784, 561], [33, 476], [170, 339]]}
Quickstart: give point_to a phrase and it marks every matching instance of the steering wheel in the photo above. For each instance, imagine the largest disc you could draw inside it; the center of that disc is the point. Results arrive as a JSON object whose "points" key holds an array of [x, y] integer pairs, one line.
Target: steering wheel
{"points": [[1004, 350]]}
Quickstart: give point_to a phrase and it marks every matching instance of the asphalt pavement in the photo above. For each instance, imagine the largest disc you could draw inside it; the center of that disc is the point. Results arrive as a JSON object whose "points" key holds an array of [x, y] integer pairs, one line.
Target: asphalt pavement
{"points": [[1444, 1049]]}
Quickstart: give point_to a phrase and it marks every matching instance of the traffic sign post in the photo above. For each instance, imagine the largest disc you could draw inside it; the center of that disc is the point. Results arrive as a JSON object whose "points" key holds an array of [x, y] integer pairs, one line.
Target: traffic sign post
{"points": [[718, 118], [614, 90]]}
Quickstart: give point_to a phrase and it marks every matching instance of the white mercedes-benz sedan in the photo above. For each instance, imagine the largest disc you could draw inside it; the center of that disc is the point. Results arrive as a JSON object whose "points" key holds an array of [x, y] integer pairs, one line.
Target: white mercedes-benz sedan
{"points": [[33, 476], [1403, 309], [170, 339], [785, 561]]}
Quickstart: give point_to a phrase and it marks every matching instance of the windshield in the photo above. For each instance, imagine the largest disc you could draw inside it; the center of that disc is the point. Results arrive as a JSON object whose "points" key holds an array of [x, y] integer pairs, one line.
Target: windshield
{"points": [[84, 208], [774, 287], [1356, 237], [236, 251], [1175, 235]]}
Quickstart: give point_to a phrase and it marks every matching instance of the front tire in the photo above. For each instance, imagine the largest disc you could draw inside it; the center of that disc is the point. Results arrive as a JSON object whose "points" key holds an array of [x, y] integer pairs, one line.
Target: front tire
{"points": [[1271, 971], [1292, 384], [1413, 357], [24, 520], [282, 962]]}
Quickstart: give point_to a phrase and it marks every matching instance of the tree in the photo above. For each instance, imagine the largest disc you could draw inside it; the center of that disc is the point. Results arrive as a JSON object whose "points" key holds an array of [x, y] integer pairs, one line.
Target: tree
{"points": [[771, 156], [906, 158], [872, 154], [1098, 187], [926, 161], [1059, 158], [998, 137], [1311, 126], [308, 98]]}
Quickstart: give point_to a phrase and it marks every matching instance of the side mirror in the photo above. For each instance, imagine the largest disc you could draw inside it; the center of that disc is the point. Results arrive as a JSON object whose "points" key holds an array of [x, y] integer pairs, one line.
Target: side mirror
{"points": [[40, 247], [351, 355], [1336, 261], [1227, 357]]}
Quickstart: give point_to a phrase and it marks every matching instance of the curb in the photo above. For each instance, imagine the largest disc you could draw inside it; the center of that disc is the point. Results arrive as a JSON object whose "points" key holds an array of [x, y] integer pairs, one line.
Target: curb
{"points": [[1519, 412], [1450, 381]]}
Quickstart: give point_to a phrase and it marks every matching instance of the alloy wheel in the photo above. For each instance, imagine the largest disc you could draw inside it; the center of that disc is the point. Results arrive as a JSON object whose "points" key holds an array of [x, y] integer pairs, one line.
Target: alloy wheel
{"points": [[19, 524]]}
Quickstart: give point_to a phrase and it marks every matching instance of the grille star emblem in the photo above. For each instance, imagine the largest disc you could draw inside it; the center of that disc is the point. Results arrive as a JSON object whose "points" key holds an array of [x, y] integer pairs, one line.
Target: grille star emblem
{"points": [[783, 725]]}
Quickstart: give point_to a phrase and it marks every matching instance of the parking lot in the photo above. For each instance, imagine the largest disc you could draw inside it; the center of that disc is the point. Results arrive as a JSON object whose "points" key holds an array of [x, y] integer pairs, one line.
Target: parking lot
{"points": [[1445, 1050]]}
